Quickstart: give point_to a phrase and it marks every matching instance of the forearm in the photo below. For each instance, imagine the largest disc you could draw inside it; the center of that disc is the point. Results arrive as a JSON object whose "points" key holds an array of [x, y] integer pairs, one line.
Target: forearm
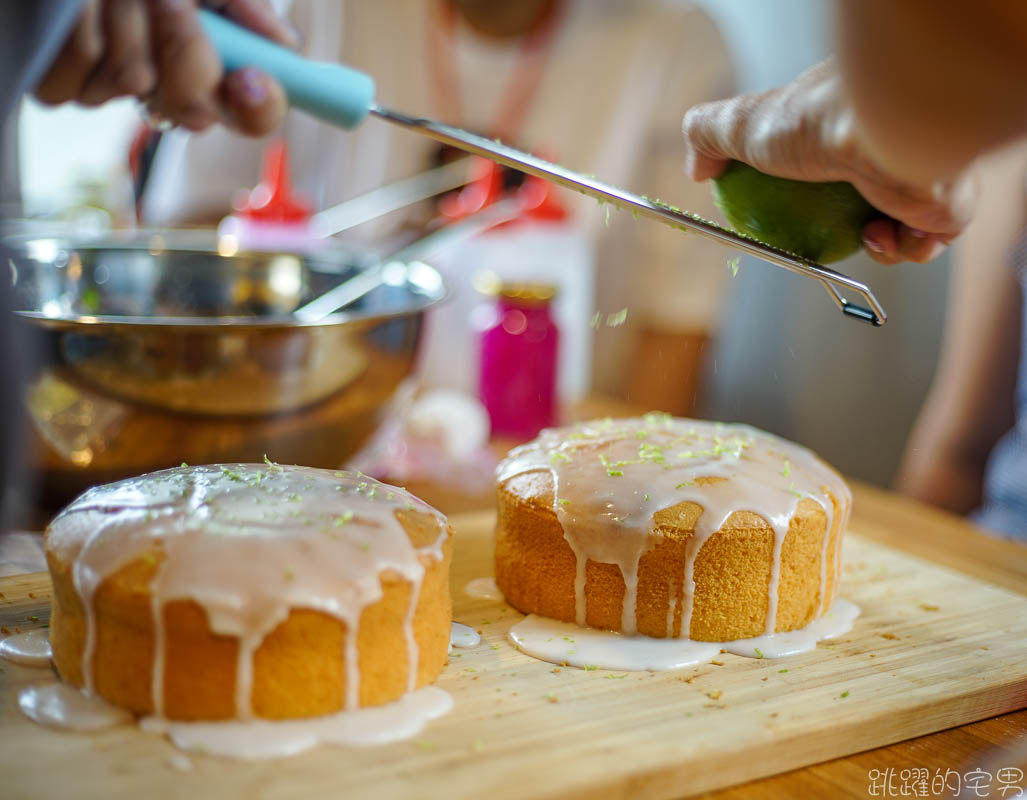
{"points": [[934, 83], [970, 403]]}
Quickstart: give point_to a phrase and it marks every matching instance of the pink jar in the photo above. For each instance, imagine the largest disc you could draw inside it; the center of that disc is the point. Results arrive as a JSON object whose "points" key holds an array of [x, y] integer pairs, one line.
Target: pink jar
{"points": [[517, 381]]}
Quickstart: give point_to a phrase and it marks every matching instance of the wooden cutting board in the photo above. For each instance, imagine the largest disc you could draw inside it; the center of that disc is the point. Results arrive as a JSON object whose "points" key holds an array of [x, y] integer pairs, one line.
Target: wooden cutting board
{"points": [[933, 649]]}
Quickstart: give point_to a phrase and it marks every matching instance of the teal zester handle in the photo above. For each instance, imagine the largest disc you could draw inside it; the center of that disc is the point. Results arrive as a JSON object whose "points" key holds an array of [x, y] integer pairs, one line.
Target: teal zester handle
{"points": [[332, 92]]}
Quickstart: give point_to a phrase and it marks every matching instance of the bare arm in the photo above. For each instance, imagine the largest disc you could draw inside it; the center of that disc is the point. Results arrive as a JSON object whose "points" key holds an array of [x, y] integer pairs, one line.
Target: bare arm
{"points": [[970, 403], [934, 83]]}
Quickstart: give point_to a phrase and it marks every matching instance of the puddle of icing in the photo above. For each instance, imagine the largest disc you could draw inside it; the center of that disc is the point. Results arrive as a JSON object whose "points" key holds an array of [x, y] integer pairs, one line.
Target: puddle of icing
{"points": [[565, 642], [461, 635], [258, 739], [484, 588], [30, 649], [61, 706]]}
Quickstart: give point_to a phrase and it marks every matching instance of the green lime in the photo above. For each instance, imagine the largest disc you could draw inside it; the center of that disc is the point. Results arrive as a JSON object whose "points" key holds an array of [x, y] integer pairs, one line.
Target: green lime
{"points": [[819, 221]]}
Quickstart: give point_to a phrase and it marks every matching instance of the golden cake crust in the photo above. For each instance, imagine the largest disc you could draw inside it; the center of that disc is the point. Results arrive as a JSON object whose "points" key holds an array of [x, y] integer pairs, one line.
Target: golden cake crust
{"points": [[535, 566], [298, 669]]}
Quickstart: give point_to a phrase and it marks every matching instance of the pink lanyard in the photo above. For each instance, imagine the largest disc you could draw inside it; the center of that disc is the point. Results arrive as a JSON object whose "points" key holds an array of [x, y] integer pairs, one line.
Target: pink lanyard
{"points": [[523, 85]]}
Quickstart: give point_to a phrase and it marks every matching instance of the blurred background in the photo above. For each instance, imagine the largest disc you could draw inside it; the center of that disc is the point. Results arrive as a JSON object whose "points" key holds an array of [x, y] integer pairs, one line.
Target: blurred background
{"points": [[645, 315]]}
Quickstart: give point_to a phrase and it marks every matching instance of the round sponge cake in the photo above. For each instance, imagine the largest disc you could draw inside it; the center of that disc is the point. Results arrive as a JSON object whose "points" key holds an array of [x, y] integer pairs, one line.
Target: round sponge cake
{"points": [[240, 591], [669, 527]]}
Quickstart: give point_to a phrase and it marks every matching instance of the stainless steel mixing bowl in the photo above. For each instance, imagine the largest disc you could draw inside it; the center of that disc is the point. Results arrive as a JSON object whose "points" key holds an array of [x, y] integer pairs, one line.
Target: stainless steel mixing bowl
{"points": [[153, 349]]}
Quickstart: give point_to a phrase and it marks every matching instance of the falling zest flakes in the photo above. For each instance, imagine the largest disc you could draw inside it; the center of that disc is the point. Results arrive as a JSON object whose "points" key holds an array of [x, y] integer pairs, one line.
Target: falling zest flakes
{"points": [[614, 320], [715, 695], [617, 319], [551, 697], [717, 663], [889, 636], [930, 607]]}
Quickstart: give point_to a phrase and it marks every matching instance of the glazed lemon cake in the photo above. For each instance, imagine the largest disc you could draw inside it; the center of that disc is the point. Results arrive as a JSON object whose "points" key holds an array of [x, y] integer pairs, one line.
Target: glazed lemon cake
{"points": [[249, 591], [670, 528]]}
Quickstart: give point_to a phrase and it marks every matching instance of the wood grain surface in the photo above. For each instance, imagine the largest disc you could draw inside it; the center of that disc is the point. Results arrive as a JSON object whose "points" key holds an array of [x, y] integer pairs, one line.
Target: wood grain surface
{"points": [[935, 648]]}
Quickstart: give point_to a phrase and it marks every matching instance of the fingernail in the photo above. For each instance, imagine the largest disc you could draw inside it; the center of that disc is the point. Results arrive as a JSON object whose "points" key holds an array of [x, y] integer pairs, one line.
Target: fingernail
{"points": [[919, 234], [870, 243], [250, 85], [690, 163], [294, 34]]}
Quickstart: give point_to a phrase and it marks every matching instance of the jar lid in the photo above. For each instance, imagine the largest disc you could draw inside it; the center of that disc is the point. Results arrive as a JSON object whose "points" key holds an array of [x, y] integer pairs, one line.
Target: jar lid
{"points": [[527, 292]]}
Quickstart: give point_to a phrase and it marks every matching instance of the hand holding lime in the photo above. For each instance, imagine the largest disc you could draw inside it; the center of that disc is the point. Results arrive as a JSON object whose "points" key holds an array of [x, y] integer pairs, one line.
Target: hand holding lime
{"points": [[819, 221]]}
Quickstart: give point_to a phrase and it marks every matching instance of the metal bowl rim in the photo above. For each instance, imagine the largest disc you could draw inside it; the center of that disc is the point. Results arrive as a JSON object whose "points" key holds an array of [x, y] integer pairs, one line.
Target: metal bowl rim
{"points": [[427, 298]]}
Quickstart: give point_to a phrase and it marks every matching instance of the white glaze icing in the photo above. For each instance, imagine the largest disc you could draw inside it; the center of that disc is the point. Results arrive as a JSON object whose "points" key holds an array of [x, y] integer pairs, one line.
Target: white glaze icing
{"points": [[31, 648], [260, 739], [611, 476], [310, 538], [461, 635], [484, 588], [567, 643], [61, 706]]}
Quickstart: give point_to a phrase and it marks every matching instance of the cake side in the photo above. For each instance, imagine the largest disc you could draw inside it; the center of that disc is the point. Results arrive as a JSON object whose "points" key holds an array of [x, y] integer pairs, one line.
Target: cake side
{"points": [[298, 667], [535, 570], [617, 550]]}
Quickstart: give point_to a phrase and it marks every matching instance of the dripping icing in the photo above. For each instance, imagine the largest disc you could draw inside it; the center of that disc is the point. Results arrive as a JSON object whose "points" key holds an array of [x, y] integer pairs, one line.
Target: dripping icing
{"points": [[314, 539], [610, 477]]}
